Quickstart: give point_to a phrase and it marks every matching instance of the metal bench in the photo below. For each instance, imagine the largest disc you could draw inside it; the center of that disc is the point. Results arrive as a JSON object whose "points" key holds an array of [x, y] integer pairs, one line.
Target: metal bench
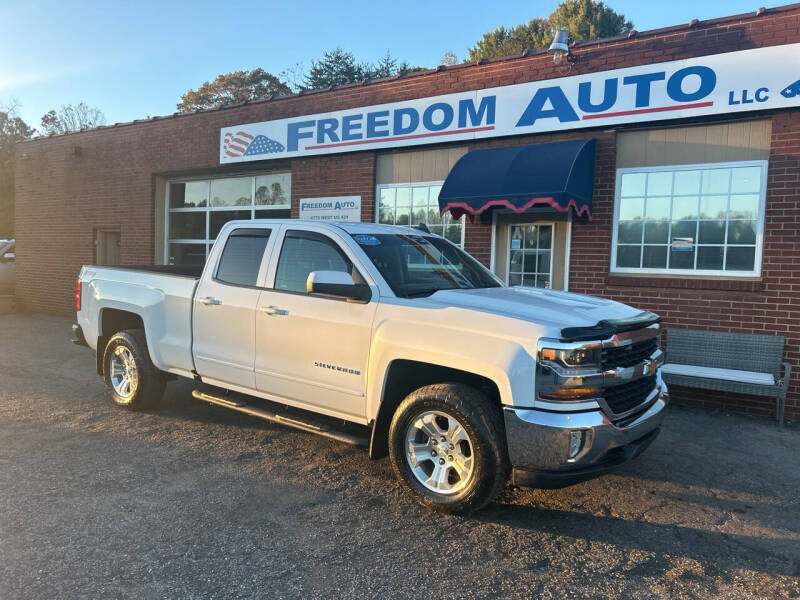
{"points": [[714, 360]]}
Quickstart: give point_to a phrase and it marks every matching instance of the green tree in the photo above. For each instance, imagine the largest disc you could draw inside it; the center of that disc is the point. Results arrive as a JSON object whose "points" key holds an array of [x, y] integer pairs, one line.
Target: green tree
{"points": [[12, 130], [232, 88], [336, 67], [583, 19], [70, 118], [385, 67]]}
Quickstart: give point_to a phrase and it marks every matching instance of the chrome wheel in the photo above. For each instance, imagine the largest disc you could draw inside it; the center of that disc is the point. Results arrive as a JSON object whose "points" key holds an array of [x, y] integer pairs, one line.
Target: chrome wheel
{"points": [[123, 373], [439, 452]]}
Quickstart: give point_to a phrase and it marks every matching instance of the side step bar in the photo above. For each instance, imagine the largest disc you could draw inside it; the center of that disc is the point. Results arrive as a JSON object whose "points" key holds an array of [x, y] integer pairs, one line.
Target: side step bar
{"points": [[319, 428]]}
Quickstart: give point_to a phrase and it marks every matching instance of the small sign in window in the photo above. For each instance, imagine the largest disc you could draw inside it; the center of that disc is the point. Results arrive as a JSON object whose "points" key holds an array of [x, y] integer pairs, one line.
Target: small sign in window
{"points": [[682, 244]]}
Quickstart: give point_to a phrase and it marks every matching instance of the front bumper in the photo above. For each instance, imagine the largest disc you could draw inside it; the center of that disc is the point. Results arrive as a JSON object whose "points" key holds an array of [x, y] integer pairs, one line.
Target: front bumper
{"points": [[539, 442]]}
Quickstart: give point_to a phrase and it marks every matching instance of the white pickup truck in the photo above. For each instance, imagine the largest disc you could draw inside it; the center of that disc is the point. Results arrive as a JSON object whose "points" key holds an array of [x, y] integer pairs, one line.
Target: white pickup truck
{"points": [[391, 338]]}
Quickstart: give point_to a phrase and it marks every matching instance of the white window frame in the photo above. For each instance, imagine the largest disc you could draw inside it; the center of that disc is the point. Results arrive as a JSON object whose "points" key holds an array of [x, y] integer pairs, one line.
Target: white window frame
{"points": [[384, 186], [207, 210], [759, 246]]}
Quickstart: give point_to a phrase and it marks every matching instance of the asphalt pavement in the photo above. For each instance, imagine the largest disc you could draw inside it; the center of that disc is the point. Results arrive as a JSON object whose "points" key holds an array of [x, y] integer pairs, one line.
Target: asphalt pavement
{"points": [[193, 501]]}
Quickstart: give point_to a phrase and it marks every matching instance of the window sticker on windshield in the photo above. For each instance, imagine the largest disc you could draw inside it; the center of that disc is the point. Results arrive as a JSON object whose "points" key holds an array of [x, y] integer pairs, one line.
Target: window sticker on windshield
{"points": [[366, 240]]}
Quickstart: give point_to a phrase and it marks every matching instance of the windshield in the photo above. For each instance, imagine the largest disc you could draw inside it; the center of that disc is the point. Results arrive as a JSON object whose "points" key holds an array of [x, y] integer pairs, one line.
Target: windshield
{"points": [[418, 265]]}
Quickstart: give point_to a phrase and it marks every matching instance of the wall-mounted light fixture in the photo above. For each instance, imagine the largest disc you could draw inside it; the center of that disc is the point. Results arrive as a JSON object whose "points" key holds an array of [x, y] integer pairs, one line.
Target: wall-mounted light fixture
{"points": [[560, 46]]}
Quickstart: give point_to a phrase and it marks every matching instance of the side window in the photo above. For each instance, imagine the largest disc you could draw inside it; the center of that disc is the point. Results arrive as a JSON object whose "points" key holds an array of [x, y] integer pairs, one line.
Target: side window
{"points": [[241, 257], [304, 252]]}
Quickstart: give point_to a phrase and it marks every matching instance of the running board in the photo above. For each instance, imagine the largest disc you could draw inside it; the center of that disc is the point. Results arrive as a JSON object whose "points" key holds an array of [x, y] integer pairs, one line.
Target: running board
{"points": [[319, 428]]}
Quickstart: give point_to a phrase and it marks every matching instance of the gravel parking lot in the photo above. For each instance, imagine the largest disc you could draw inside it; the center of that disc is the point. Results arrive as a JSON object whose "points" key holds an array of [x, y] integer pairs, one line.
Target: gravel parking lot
{"points": [[192, 501]]}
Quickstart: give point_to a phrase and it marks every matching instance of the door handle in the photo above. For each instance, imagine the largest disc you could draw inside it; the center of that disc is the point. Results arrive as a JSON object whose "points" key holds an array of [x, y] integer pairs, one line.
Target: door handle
{"points": [[209, 301], [273, 311]]}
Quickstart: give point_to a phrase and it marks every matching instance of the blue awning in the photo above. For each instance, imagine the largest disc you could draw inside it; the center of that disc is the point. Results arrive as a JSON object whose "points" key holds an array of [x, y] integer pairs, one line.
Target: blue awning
{"points": [[558, 174]]}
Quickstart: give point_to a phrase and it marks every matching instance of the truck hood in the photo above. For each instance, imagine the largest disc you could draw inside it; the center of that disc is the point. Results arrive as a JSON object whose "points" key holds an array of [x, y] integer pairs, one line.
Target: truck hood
{"points": [[552, 309]]}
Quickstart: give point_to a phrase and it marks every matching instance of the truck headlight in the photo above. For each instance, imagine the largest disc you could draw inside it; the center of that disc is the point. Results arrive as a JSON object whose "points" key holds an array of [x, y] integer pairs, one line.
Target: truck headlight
{"points": [[573, 357]]}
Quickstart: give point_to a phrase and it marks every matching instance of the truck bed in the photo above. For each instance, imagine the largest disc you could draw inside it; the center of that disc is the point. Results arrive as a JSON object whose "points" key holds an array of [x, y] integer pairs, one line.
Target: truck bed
{"points": [[161, 295], [177, 270]]}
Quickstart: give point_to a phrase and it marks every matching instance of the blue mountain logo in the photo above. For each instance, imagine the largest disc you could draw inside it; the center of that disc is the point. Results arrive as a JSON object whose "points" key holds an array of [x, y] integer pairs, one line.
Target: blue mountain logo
{"points": [[792, 90], [263, 145]]}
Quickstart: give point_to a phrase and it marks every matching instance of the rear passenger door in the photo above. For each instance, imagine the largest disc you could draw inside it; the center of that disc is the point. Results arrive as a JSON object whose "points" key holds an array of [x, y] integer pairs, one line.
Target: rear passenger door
{"points": [[224, 308]]}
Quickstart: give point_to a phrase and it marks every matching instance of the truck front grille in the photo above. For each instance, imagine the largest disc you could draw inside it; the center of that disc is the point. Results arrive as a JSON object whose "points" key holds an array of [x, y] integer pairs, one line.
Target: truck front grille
{"points": [[627, 356], [627, 396]]}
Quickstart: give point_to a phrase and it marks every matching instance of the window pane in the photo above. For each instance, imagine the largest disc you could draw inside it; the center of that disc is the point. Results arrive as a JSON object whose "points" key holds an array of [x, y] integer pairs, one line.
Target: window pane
{"points": [[709, 258], [681, 259], [419, 197], [631, 209], [630, 232], [654, 257], [746, 179], [530, 261], [716, 181], [187, 225], [741, 232], [231, 192], [740, 259], [274, 190], [402, 215], [219, 218], [543, 281], [453, 233], [632, 184], [434, 217], [711, 232], [190, 194], [684, 208], [546, 237], [403, 196], [687, 182], [657, 208], [516, 260], [629, 256], [300, 256], [190, 255], [433, 197], [713, 207], [659, 183], [531, 236], [684, 229], [515, 279], [544, 261], [241, 258], [418, 215], [280, 213], [386, 215], [656, 233], [743, 207], [386, 199]]}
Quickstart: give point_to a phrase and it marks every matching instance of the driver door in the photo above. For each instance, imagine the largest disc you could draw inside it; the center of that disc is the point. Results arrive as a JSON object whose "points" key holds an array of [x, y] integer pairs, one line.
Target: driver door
{"points": [[313, 351]]}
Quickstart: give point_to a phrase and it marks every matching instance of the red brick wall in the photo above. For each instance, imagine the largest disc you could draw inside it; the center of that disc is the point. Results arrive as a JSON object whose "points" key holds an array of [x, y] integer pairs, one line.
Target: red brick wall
{"points": [[66, 187]]}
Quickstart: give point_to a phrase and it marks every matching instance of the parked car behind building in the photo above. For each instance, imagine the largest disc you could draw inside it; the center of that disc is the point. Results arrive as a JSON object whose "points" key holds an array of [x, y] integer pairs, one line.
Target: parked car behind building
{"points": [[6, 267]]}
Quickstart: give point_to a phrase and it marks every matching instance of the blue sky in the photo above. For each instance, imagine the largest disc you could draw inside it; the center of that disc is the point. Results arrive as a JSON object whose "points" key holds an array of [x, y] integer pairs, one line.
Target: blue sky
{"points": [[135, 59]]}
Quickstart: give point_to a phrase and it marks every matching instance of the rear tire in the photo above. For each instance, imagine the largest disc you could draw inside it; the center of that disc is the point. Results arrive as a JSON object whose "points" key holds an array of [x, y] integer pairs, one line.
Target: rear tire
{"points": [[133, 382], [447, 446]]}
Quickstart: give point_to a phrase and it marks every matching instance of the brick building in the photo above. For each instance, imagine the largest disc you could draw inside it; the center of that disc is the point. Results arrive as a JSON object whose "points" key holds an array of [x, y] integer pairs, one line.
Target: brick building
{"points": [[696, 176]]}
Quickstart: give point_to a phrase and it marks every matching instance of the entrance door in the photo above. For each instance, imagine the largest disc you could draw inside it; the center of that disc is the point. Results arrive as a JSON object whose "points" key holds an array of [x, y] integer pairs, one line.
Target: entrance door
{"points": [[107, 245], [530, 255], [313, 351]]}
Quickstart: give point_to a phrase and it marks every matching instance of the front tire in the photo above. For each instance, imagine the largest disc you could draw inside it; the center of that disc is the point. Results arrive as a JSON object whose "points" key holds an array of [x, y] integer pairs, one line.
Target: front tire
{"points": [[133, 381], [447, 447]]}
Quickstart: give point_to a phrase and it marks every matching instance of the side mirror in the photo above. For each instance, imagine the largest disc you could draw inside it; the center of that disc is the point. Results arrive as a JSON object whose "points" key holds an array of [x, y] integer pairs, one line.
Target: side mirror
{"points": [[337, 284]]}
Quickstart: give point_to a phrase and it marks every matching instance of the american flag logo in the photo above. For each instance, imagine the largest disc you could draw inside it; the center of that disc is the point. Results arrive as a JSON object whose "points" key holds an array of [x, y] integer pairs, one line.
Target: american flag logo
{"points": [[243, 144]]}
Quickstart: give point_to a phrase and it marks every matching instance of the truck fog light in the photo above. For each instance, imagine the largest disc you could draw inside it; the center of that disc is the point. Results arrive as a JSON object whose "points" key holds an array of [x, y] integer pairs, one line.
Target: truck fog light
{"points": [[575, 443]]}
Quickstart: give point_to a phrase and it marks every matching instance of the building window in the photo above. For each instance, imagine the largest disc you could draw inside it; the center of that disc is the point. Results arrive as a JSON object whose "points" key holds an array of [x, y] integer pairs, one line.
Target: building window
{"points": [[705, 219], [417, 203], [197, 210], [529, 255]]}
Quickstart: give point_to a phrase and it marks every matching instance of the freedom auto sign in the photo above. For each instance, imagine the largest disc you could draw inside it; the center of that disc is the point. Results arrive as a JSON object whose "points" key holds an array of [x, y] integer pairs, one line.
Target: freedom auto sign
{"points": [[749, 80]]}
